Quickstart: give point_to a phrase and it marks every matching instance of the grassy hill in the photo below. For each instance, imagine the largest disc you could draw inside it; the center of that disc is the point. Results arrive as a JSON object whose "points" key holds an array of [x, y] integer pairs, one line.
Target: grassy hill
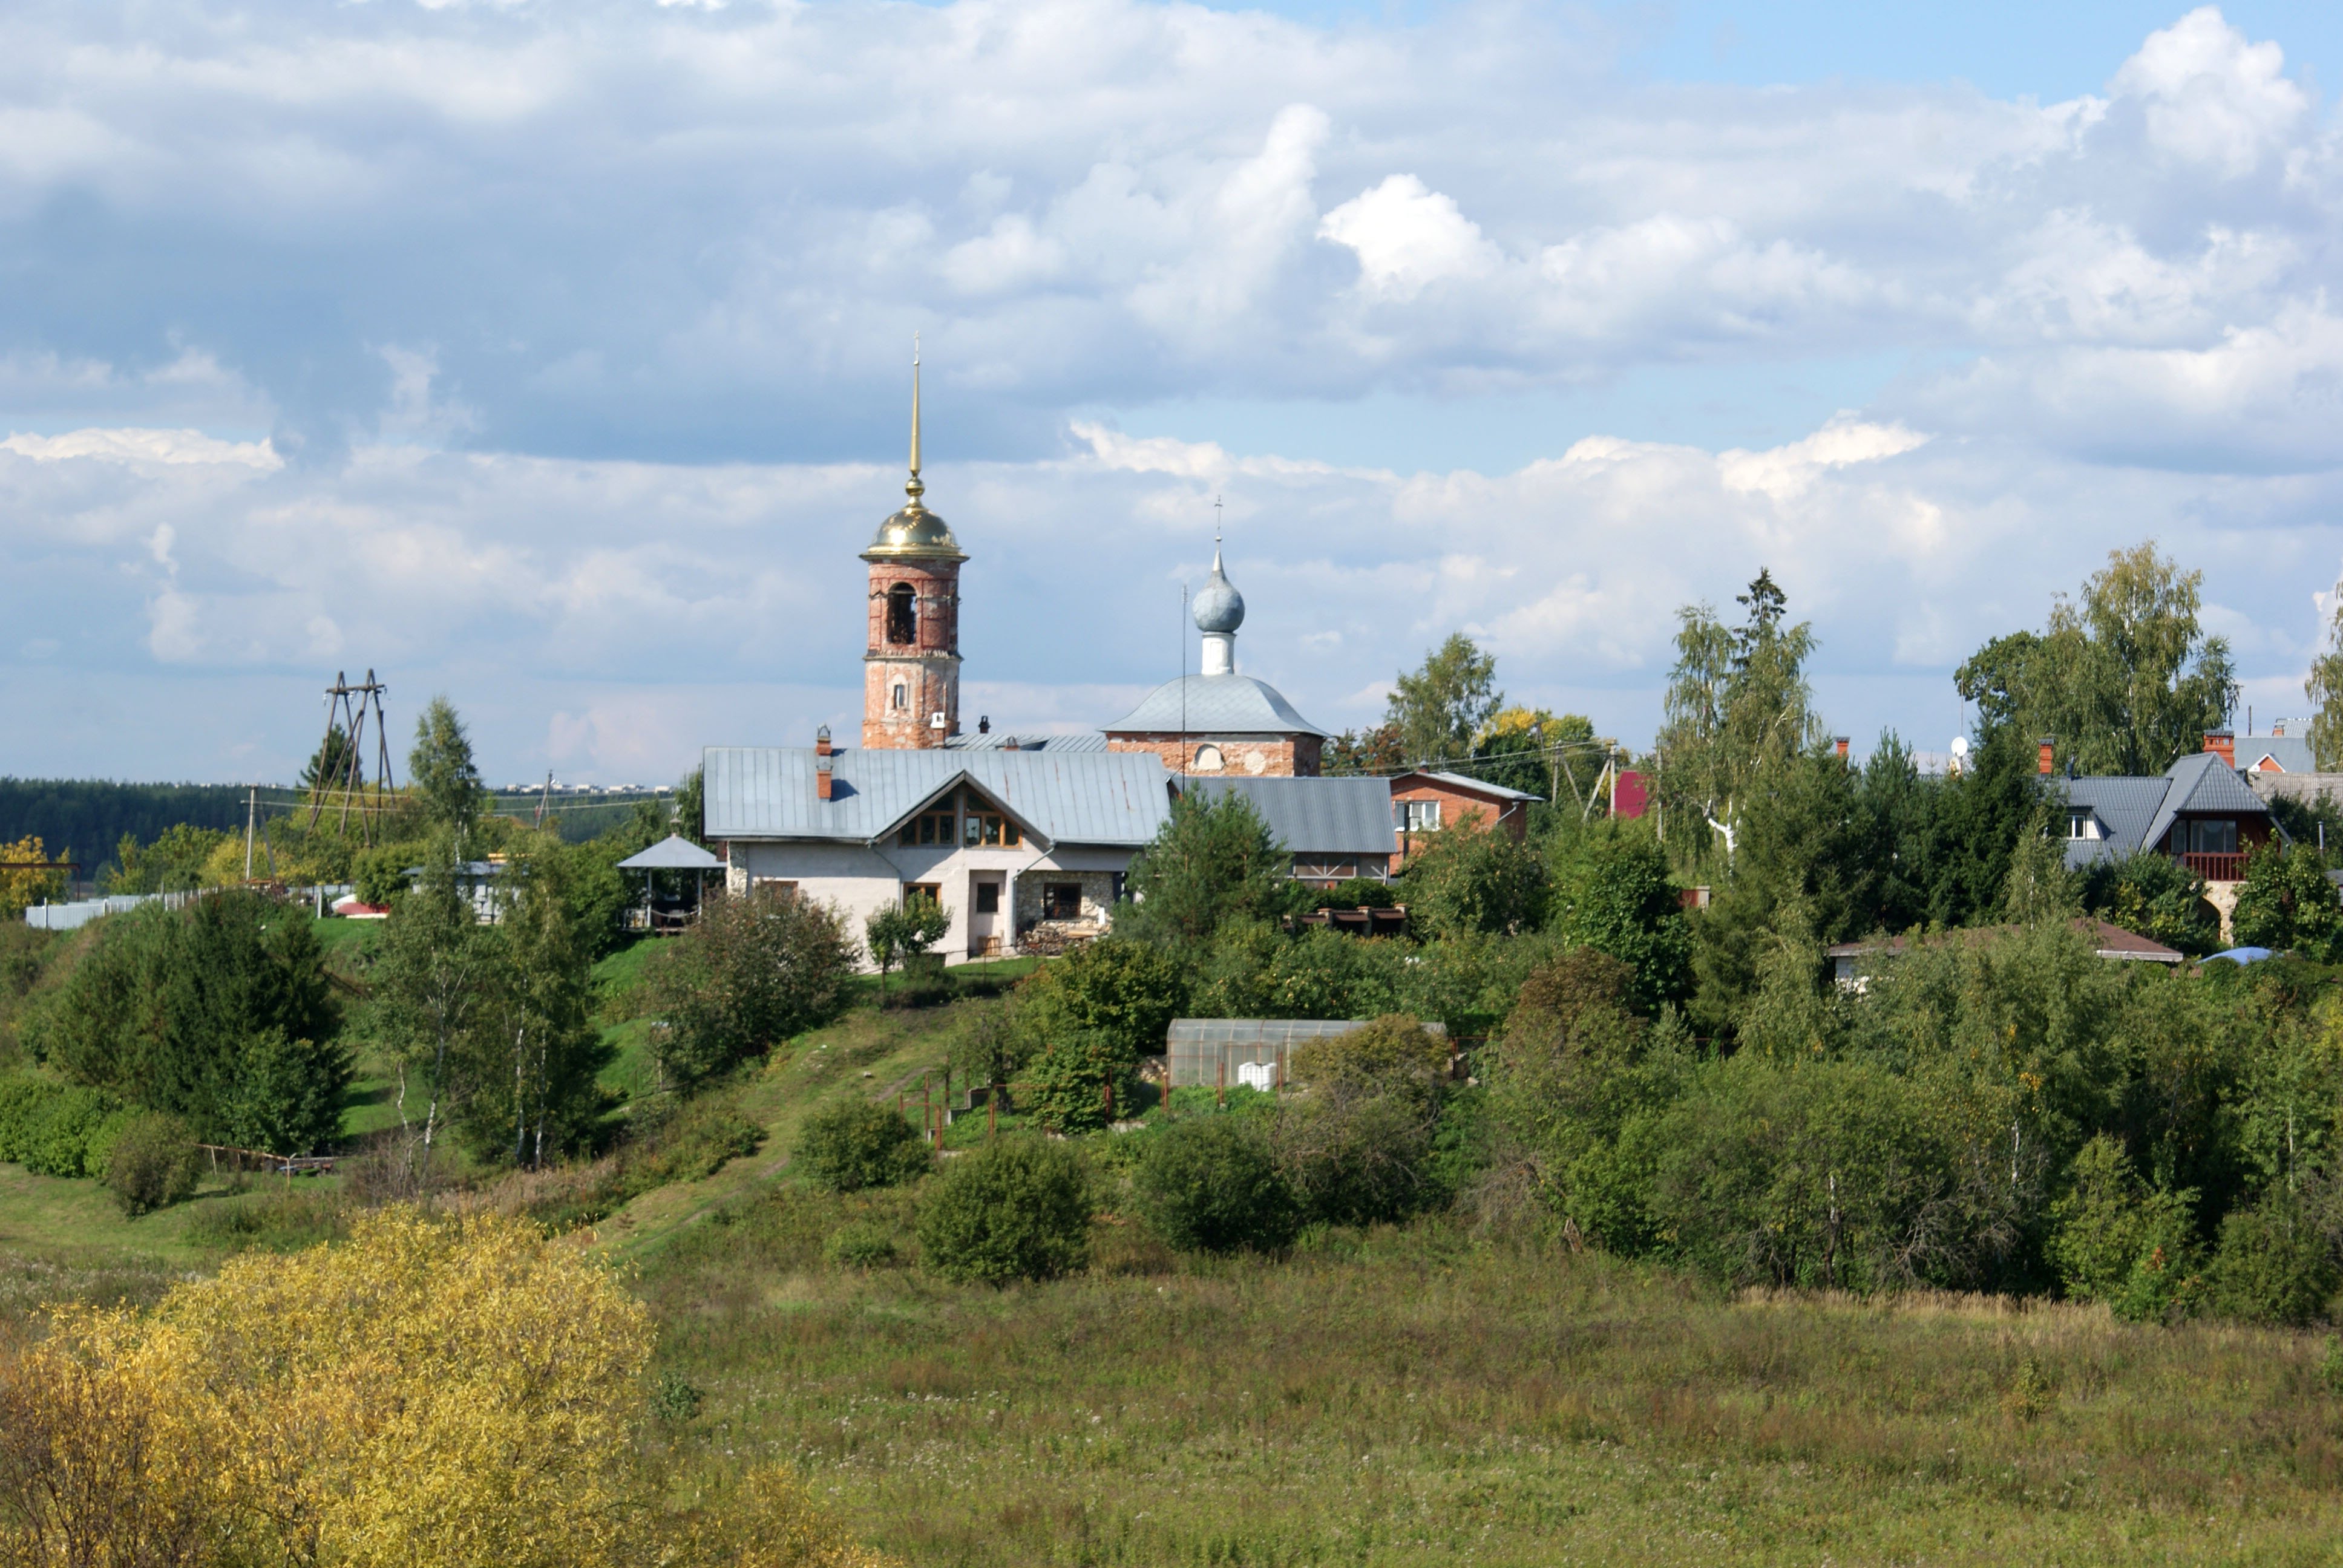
{"points": [[1394, 1396]]}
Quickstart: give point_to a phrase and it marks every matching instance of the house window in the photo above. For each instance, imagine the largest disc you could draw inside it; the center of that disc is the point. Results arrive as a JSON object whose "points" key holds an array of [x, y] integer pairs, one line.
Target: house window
{"points": [[902, 616], [901, 698], [928, 828], [2081, 824], [932, 891], [985, 825], [1209, 758], [782, 890], [988, 897], [2204, 837], [1416, 815], [1061, 901]]}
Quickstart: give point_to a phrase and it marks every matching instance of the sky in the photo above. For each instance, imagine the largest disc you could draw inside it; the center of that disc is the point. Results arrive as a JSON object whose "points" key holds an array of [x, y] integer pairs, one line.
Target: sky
{"points": [[556, 357]]}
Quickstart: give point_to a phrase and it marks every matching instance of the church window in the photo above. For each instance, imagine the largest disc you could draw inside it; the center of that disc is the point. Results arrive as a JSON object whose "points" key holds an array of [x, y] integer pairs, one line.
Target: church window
{"points": [[902, 614], [1209, 758], [899, 698]]}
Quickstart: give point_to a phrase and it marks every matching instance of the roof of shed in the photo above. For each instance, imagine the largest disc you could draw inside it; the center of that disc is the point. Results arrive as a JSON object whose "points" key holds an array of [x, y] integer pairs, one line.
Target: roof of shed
{"points": [[1214, 705], [1315, 816], [1115, 797]]}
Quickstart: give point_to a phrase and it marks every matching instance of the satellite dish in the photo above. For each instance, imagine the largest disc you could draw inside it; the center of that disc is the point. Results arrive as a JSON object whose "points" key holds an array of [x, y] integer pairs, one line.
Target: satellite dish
{"points": [[1960, 746]]}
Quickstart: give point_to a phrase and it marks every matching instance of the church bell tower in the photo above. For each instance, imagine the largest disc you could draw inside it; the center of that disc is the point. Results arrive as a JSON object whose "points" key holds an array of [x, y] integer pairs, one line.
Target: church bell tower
{"points": [[910, 673]]}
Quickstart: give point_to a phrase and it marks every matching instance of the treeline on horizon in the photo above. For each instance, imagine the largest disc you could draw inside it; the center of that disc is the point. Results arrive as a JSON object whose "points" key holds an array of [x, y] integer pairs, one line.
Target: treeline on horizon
{"points": [[85, 819]]}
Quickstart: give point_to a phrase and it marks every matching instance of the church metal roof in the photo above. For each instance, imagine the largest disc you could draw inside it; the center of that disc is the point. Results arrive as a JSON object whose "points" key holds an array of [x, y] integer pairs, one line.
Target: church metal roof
{"points": [[1215, 705], [1111, 798], [1315, 816]]}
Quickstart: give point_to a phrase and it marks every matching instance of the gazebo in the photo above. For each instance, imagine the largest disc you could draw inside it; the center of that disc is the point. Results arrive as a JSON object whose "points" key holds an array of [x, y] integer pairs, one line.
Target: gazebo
{"points": [[672, 853]]}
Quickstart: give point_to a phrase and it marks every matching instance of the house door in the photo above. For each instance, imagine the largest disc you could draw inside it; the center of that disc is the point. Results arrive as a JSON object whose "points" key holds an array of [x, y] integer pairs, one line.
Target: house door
{"points": [[983, 913]]}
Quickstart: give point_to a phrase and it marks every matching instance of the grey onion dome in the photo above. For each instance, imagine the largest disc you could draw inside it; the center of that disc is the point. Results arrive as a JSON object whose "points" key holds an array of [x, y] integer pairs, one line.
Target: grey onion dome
{"points": [[1219, 605]]}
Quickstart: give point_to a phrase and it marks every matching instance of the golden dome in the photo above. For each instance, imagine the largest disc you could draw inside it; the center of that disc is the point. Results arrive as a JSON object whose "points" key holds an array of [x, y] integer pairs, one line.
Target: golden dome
{"points": [[914, 533]]}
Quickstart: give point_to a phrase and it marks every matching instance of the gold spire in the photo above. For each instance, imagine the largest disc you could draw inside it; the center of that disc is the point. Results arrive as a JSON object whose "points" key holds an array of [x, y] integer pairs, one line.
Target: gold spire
{"points": [[914, 488]]}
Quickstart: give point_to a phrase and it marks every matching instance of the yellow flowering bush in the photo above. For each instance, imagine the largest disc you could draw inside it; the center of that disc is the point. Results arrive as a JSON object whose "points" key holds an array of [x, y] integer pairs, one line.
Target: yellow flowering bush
{"points": [[429, 1392]]}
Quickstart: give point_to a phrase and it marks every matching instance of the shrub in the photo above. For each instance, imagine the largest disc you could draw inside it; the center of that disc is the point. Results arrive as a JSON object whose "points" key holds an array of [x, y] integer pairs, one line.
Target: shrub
{"points": [[1356, 1147], [1016, 1209], [2272, 1266], [860, 1247], [752, 972], [1470, 877], [153, 1163], [2114, 1239], [1211, 1185], [1068, 1086], [1357, 893], [854, 1144], [56, 1129], [1124, 990]]}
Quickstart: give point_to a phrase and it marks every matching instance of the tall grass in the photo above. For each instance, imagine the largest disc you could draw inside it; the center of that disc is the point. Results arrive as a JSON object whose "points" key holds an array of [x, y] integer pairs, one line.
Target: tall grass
{"points": [[1418, 1396]]}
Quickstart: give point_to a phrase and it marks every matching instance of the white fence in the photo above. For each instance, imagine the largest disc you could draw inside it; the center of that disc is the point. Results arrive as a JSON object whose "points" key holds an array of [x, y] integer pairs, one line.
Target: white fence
{"points": [[81, 911]]}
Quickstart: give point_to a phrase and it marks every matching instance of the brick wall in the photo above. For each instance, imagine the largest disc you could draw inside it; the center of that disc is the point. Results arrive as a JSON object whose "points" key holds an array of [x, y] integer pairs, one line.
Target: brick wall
{"points": [[1456, 807], [927, 666], [1241, 755]]}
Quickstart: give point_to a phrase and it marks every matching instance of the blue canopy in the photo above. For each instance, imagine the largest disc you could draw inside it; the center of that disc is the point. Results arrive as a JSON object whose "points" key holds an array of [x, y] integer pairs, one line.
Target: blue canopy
{"points": [[2243, 956]]}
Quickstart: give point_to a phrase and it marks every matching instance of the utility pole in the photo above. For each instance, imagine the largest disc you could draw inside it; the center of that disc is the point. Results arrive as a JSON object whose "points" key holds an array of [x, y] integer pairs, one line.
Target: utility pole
{"points": [[251, 805], [545, 802]]}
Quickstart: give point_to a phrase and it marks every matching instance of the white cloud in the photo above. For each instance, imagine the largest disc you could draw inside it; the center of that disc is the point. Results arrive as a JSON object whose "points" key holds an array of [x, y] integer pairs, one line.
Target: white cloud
{"points": [[143, 446], [1407, 238], [2210, 96], [503, 339]]}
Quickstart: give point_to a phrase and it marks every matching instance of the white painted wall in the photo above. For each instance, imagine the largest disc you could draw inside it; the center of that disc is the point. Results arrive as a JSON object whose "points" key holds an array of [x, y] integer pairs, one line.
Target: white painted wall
{"points": [[860, 879]]}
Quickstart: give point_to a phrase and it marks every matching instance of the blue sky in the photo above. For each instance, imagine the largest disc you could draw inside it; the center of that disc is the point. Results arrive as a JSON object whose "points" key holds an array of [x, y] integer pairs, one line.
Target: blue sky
{"points": [[554, 356]]}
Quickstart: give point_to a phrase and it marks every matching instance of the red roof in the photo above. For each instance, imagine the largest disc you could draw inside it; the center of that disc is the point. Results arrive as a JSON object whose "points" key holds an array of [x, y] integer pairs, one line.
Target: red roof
{"points": [[2112, 940]]}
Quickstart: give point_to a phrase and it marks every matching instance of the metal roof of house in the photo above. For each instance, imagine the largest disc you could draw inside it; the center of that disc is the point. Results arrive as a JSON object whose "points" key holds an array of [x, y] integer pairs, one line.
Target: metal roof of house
{"points": [[672, 853], [1316, 816], [2137, 810], [1009, 741], [1119, 798], [1458, 782], [2290, 752], [1215, 705]]}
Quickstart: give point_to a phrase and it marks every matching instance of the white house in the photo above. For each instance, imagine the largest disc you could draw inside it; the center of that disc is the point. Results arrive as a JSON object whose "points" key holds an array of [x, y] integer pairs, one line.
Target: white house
{"points": [[1011, 842]]}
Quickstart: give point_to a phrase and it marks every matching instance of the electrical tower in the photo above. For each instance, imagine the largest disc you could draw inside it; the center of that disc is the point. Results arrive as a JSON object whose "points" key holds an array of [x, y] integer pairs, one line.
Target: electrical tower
{"points": [[348, 710]]}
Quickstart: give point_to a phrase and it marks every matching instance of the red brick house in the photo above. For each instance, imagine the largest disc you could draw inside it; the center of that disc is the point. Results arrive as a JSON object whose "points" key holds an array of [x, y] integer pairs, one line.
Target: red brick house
{"points": [[1424, 803]]}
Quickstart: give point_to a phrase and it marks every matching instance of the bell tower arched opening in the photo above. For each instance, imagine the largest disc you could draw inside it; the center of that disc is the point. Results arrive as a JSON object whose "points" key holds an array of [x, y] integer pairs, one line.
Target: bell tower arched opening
{"points": [[902, 616]]}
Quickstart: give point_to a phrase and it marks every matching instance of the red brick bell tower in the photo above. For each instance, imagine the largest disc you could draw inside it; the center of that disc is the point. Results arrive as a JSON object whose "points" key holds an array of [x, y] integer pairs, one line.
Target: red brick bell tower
{"points": [[910, 673]]}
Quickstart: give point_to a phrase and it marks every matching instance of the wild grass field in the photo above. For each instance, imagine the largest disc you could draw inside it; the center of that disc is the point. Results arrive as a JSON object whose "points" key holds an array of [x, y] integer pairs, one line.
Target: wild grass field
{"points": [[1399, 1396]]}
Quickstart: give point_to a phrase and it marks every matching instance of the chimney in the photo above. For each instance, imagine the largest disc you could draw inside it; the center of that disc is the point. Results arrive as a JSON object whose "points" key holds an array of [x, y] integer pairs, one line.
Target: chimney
{"points": [[2278, 727], [1840, 741], [821, 763], [821, 742], [2042, 764], [2222, 743], [984, 724]]}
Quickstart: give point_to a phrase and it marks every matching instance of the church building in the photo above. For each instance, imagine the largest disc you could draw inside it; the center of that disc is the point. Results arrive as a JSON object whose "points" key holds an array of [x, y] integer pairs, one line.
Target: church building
{"points": [[1024, 842]]}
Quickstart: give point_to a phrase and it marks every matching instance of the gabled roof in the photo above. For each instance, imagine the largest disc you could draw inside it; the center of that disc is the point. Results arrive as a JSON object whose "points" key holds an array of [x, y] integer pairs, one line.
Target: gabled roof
{"points": [[2290, 752], [1118, 798], [1214, 705], [2137, 810], [1315, 816], [1469, 786]]}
